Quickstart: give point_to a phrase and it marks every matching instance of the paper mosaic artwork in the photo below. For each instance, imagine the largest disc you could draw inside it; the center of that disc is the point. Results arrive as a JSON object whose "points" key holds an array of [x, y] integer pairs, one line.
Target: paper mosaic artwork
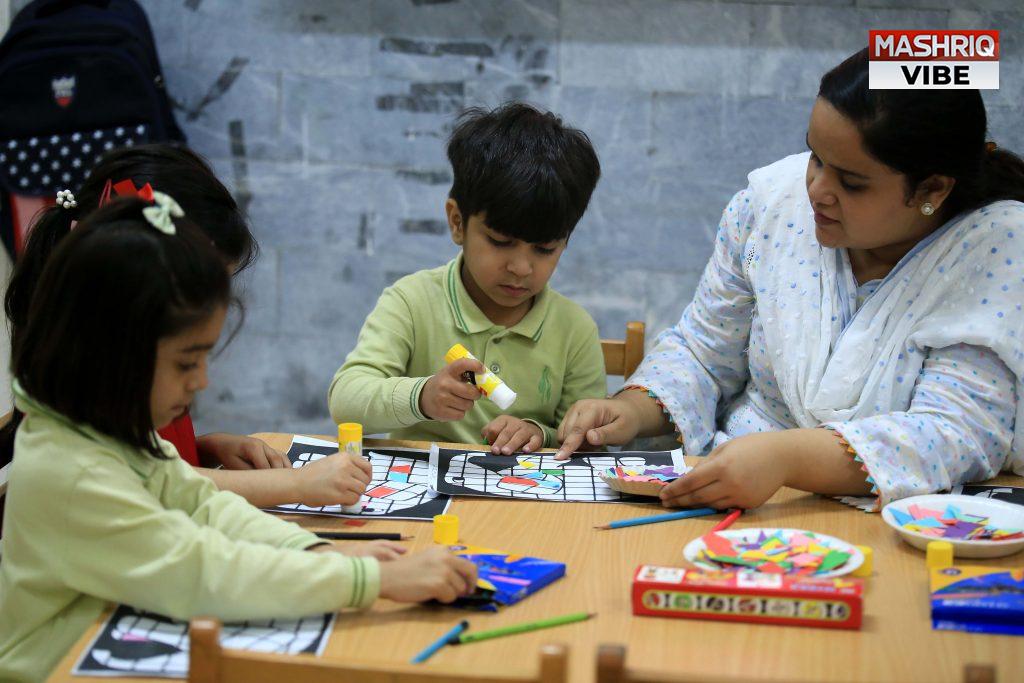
{"points": [[541, 477], [136, 643], [399, 488]]}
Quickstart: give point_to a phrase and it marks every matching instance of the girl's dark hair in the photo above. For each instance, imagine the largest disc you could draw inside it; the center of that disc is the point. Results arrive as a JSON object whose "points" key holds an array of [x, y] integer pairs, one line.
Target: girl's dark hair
{"points": [[167, 167], [110, 290], [528, 173], [921, 133]]}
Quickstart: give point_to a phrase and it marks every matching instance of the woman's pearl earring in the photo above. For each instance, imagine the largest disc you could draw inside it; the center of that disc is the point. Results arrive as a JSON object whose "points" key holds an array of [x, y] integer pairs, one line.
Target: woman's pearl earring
{"points": [[927, 209]]}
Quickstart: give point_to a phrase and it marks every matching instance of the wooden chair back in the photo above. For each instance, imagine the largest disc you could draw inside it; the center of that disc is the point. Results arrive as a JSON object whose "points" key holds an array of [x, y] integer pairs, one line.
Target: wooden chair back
{"points": [[210, 663], [622, 356], [611, 668]]}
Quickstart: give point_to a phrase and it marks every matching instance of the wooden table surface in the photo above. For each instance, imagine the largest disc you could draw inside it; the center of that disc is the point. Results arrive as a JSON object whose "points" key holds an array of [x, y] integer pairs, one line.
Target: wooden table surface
{"points": [[895, 643]]}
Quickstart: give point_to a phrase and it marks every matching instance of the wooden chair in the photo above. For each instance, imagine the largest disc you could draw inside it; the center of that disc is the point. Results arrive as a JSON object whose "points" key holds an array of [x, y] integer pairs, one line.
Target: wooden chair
{"points": [[622, 356], [210, 663], [611, 668]]}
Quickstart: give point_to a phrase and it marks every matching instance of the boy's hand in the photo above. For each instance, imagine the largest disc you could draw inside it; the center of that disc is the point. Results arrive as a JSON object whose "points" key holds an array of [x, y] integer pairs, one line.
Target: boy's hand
{"points": [[446, 396], [508, 434], [741, 473], [434, 573], [596, 422], [237, 452], [338, 479], [385, 551]]}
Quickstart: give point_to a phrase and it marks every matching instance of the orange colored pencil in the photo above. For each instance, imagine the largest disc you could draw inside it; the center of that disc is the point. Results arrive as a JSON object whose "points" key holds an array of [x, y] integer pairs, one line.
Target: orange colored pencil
{"points": [[727, 522]]}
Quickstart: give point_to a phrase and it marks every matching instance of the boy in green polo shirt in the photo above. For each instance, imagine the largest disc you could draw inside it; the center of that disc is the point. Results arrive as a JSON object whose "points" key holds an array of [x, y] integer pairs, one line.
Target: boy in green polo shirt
{"points": [[522, 181]]}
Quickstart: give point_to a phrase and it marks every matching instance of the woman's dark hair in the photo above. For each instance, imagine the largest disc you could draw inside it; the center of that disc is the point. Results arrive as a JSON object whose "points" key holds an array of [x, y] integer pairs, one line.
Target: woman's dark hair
{"points": [[528, 173], [169, 168], [108, 293], [921, 133]]}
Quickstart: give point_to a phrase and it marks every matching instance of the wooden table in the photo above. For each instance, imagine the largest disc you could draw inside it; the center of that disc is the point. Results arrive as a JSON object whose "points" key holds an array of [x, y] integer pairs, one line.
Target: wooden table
{"points": [[896, 642]]}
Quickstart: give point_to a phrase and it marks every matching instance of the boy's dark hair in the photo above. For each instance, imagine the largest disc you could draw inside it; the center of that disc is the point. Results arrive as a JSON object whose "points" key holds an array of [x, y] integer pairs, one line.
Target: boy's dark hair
{"points": [[921, 133], [530, 175], [108, 293]]}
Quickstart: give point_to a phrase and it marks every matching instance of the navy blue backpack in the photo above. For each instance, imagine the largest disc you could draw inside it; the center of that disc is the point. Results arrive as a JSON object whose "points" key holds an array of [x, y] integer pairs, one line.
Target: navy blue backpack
{"points": [[77, 79]]}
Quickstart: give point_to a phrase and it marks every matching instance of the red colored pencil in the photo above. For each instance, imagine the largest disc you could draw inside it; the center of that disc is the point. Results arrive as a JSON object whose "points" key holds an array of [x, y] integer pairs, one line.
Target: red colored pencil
{"points": [[727, 522]]}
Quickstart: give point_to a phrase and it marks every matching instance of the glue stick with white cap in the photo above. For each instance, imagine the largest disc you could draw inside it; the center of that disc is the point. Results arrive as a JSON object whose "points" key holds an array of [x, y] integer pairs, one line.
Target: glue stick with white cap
{"points": [[488, 382]]}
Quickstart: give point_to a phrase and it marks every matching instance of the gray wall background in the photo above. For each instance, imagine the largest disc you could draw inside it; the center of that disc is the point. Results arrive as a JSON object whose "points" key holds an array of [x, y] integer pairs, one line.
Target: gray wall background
{"points": [[328, 118]]}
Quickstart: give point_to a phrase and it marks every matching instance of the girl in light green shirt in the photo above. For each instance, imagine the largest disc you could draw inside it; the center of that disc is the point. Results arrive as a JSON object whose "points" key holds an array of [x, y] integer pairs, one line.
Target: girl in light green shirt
{"points": [[99, 508]]}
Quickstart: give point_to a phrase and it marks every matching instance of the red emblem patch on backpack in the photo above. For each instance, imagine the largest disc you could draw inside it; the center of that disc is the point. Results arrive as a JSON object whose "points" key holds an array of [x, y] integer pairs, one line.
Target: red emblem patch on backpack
{"points": [[63, 90]]}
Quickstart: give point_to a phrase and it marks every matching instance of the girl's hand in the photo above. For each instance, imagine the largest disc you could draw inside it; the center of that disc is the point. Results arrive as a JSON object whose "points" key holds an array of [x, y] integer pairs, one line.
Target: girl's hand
{"points": [[446, 396], [434, 573], [385, 551], [508, 434], [597, 422], [741, 473], [337, 479], [236, 452]]}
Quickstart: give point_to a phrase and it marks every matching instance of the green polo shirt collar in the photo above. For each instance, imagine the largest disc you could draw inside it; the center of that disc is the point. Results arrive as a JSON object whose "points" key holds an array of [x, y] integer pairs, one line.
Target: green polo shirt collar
{"points": [[470, 319], [140, 463]]}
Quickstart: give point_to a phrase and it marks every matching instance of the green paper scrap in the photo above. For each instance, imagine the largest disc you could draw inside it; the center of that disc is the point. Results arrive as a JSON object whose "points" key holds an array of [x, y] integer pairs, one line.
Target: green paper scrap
{"points": [[725, 559], [832, 560]]}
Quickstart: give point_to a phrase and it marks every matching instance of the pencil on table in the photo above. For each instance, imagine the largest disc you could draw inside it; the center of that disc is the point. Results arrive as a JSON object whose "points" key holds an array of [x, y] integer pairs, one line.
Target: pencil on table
{"points": [[668, 517], [727, 522], [361, 536], [523, 628], [449, 638]]}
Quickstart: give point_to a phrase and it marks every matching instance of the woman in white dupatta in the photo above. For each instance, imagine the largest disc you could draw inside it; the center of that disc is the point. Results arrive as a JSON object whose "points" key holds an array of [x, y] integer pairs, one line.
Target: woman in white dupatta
{"points": [[871, 286]]}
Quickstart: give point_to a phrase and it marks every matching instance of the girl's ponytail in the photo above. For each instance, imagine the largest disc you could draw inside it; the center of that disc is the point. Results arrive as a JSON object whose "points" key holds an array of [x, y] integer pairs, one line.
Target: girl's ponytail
{"points": [[51, 226]]}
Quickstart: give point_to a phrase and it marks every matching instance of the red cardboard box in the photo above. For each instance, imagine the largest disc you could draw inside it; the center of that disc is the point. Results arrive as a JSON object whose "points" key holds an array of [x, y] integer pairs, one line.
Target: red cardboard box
{"points": [[747, 596]]}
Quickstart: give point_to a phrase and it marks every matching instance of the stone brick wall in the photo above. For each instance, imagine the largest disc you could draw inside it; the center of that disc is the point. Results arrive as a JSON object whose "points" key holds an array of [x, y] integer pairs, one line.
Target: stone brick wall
{"points": [[328, 119]]}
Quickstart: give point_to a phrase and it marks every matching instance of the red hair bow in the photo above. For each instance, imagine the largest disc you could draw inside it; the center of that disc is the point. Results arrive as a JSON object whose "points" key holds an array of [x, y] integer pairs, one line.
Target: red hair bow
{"points": [[125, 188]]}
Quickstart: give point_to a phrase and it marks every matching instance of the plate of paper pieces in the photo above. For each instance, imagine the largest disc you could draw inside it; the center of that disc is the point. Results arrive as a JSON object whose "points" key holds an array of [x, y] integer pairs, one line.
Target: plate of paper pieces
{"points": [[790, 552], [976, 526], [640, 481]]}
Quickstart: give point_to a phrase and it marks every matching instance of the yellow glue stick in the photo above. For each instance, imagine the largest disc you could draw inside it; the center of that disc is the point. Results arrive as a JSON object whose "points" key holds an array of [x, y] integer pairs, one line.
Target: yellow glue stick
{"points": [[350, 438], [489, 383]]}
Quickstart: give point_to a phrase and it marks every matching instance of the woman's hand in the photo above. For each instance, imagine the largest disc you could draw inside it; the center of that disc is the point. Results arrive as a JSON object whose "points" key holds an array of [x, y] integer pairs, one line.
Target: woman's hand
{"points": [[507, 434], [741, 473], [597, 422], [748, 470], [236, 452], [611, 421]]}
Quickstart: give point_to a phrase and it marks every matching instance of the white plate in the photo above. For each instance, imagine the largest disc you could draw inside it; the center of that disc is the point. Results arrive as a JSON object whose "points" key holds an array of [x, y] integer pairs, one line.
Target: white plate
{"points": [[694, 547], [1001, 514]]}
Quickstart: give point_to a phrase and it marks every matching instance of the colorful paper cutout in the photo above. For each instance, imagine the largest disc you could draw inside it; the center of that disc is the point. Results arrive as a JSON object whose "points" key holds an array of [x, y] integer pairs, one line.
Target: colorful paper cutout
{"points": [[952, 523], [801, 554]]}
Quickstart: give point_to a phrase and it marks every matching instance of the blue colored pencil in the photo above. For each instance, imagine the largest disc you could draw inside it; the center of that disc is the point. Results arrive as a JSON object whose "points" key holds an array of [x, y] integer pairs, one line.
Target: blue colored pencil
{"points": [[653, 519], [447, 639]]}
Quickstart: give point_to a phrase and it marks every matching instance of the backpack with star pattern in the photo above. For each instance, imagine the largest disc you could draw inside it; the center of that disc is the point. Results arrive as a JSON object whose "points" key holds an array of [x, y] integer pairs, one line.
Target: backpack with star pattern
{"points": [[77, 79]]}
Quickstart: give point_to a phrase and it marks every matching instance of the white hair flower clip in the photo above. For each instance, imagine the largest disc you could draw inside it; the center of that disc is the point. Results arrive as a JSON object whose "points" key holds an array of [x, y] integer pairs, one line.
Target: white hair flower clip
{"points": [[159, 215], [66, 199]]}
